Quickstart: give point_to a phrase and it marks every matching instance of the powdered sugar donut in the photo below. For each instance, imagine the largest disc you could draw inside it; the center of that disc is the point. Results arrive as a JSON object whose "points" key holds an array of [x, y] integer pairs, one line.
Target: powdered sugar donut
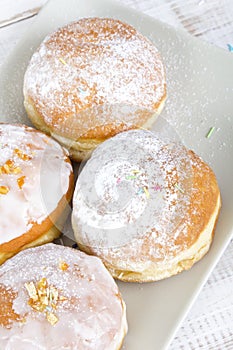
{"points": [[91, 80], [65, 300], [36, 184], [149, 207]]}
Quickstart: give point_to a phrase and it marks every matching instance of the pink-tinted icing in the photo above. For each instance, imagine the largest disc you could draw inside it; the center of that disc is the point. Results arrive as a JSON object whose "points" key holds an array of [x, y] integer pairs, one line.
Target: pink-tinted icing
{"points": [[43, 165], [92, 317]]}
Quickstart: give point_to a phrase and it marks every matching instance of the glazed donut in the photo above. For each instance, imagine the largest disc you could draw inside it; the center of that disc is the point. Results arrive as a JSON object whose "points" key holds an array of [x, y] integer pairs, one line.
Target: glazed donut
{"points": [[65, 300], [36, 185], [91, 80], [148, 209]]}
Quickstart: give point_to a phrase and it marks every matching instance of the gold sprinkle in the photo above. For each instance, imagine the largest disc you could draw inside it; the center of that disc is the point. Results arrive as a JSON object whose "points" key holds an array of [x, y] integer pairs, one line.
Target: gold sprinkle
{"points": [[37, 306], [46, 141], [23, 320], [21, 154], [42, 283], [44, 298], [54, 306], [9, 168], [16, 170], [31, 289], [62, 61], [51, 318], [6, 169], [146, 192], [63, 265], [10, 163], [4, 189], [62, 298], [21, 181], [53, 294]]}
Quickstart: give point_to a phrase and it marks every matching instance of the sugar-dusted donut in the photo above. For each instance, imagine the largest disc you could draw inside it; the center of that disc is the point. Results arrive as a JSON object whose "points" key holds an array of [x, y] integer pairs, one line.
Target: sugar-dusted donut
{"points": [[91, 80], [36, 185], [54, 297], [149, 207]]}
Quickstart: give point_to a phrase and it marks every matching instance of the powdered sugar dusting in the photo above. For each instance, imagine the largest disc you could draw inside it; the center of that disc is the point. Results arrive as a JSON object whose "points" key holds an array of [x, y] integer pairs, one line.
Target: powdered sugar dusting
{"points": [[93, 65], [167, 197], [134, 183], [91, 317]]}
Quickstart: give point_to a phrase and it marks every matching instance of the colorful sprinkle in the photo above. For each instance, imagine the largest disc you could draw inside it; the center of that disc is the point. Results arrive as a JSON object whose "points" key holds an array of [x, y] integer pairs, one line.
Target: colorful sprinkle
{"points": [[4, 189], [140, 191], [62, 61], [118, 180], [230, 47], [146, 192], [81, 90], [179, 188], [135, 171], [21, 181], [210, 132], [130, 177], [63, 265], [157, 188], [22, 155], [16, 170]]}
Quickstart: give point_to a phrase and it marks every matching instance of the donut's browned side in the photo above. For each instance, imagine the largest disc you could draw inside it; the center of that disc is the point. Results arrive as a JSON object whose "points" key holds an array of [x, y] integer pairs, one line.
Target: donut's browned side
{"points": [[42, 233]]}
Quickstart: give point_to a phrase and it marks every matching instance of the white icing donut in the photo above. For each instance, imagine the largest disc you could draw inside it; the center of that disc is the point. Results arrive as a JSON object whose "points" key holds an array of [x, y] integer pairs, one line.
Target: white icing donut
{"points": [[65, 300], [36, 181], [136, 205]]}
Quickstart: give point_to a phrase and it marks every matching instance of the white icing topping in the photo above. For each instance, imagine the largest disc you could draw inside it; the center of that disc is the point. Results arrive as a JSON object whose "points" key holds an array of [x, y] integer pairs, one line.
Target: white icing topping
{"points": [[44, 174], [133, 183], [91, 318], [100, 66]]}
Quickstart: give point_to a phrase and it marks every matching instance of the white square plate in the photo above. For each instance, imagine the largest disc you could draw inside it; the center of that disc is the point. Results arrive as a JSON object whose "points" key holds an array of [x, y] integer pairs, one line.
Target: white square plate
{"points": [[200, 95]]}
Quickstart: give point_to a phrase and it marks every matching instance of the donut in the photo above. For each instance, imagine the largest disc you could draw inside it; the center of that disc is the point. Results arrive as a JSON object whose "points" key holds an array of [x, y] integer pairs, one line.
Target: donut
{"points": [[149, 207], [92, 79], [65, 300], [36, 185]]}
